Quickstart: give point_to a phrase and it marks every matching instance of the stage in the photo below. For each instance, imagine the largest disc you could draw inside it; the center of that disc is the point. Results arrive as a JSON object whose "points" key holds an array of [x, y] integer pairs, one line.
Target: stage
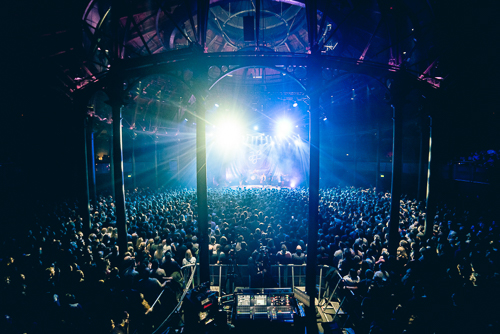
{"points": [[258, 186]]}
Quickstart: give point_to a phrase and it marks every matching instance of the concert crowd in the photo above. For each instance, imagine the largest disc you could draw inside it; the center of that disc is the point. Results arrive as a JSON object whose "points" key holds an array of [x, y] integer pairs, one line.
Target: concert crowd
{"points": [[55, 279]]}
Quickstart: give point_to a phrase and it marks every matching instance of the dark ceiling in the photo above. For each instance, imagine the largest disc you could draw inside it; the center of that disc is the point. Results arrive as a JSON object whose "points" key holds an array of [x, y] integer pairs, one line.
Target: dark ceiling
{"points": [[44, 39], [58, 44], [450, 42], [43, 55]]}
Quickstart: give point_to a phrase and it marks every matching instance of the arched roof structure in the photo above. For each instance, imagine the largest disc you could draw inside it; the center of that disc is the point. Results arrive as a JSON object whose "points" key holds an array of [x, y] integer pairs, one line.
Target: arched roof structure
{"points": [[159, 46], [377, 38], [381, 34]]}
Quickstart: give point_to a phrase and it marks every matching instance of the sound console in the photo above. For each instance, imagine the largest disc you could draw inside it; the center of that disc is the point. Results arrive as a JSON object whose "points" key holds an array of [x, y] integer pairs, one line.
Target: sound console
{"points": [[265, 305]]}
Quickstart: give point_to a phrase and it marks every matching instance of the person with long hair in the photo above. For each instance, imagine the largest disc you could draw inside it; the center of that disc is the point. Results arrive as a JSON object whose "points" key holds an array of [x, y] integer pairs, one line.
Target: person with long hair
{"points": [[188, 258]]}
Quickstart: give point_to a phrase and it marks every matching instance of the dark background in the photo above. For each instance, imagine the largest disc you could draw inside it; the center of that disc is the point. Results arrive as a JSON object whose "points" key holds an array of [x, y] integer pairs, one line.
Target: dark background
{"points": [[40, 150]]}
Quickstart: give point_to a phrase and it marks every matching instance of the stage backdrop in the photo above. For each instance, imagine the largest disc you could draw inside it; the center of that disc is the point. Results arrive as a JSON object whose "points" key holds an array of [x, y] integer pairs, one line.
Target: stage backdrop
{"points": [[281, 161]]}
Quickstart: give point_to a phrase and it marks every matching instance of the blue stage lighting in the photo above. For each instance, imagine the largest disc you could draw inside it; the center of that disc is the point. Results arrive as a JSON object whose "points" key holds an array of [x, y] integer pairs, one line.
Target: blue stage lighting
{"points": [[256, 128], [229, 134], [284, 128]]}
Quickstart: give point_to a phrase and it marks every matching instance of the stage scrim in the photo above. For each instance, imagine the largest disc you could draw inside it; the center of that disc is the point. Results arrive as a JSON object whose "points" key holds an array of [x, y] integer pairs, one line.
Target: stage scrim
{"points": [[262, 160]]}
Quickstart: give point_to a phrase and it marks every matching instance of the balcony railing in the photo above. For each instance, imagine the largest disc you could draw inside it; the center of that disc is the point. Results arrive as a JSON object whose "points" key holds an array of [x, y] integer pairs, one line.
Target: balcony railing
{"points": [[343, 305], [226, 277]]}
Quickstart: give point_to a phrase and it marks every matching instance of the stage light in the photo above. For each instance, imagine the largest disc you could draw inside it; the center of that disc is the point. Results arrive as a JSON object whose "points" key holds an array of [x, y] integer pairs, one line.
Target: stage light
{"points": [[229, 134], [185, 119], [216, 105], [295, 104], [297, 142], [284, 128], [256, 128], [292, 184], [324, 119]]}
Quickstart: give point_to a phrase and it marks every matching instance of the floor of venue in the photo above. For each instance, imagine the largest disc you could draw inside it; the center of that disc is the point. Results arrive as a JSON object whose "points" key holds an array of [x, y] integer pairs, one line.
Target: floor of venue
{"points": [[53, 269]]}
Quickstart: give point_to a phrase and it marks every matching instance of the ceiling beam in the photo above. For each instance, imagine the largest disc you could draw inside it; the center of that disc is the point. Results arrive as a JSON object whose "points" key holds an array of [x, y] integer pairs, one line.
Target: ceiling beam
{"points": [[141, 36], [362, 57]]}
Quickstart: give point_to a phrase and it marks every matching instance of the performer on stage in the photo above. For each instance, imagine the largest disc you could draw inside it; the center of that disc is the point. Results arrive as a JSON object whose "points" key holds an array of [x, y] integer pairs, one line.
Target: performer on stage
{"points": [[263, 179], [282, 179], [269, 178]]}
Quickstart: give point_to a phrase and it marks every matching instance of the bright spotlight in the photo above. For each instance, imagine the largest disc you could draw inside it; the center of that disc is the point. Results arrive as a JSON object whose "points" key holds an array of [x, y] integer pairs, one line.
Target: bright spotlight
{"points": [[256, 128], [284, 128], [295, 104], [229, 134], [185, 119], [292, 184], [324, 119], [297, 142], [216, 105]]}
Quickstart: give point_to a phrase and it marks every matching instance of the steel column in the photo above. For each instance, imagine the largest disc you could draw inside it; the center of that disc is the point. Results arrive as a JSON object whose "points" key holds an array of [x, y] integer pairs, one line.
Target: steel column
{"points": [[257, 22], [422, 160], [420, 165], [430, 207], [312, 238], [377, 175], [117, 158], [201, 182], [397, 172], [134, 137], [91, 159], [115, 87], [156, 163], [202, 18], [312, 25], [111, 162], [84, 194], [356, 134]]}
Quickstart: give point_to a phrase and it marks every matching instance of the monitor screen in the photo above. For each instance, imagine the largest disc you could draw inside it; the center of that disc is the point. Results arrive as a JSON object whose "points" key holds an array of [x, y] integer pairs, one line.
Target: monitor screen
{"points": [[244, 300], [260, 300]]}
